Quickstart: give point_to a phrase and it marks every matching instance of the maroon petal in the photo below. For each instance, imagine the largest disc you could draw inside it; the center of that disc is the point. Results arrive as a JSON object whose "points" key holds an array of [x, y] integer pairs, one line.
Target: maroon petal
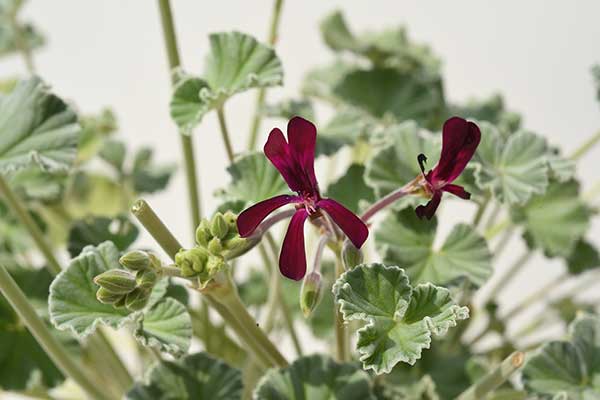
{"points": [[428, 210], [292, 260], [279, 153], [302, 135], [251, 217], [459, 142], [457, 191], [353, 226]]}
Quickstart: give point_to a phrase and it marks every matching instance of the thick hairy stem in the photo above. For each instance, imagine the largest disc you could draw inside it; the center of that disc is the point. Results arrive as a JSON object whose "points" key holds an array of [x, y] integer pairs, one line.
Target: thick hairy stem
{"points": [[170, 38], [494, 379], [155, 227], [386, 201], [260, 97], [225, 134], [53, 348], [16, 205]]}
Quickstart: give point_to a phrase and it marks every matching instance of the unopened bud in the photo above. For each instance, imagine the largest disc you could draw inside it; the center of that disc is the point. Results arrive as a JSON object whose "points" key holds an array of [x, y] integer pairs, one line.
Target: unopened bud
{"points": [[146, 279], [231, 220], [202, 235], [310, 294], [351, 256], [135, 260], [215, 246], [120, 303], [214, 265], [137, 299], [106, 297], [192, 259], [218, 226], [187, 271], [117, 281], [236, 244]]}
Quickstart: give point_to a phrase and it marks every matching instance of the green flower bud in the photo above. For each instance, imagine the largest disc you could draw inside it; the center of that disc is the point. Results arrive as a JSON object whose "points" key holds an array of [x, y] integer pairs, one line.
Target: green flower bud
{"points": [[106, 297], [351, 256], [236, 244], [120, 303], [202, 234], [187, 271], [135, 260], [137, 299], [231, 220], [215, 246], [117, 281], [146, 279], [191, 261], [218, 226], [214, 265], [310, 294], [155, 262]]}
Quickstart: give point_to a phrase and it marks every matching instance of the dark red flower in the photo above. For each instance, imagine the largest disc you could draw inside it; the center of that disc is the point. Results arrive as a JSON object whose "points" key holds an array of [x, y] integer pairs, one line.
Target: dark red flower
{"points": [[295, 162], [460, 139]]}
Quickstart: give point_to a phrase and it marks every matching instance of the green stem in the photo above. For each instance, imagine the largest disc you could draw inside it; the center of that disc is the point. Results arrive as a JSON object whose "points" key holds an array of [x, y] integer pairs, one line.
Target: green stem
{"points": [[274, 290], [285, 312], [536, 296], [34, 230], [22, 45], [225, 133], [43, 336], [494, 379], [480, 211], [170, 38], [503, 242], [117, 368], [342, 352], [148, 218], [491, 232], [586, 146], [493, 216], [260, 97]]}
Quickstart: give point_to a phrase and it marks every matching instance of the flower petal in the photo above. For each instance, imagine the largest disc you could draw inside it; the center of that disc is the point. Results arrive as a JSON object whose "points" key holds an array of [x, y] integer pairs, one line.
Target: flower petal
{"points": [[457, 191], [302, 135], [428, 210], [292, 260], [278, 151], [251, 217], [459, 142], [353, 226]]}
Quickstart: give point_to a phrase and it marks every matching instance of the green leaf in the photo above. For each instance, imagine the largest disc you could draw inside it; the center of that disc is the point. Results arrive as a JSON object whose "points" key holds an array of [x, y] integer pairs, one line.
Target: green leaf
{"points": [[513, 169], [405, 240], [315, 378], [253, 179], [320, 81], [95, 195], [33, 183], [95, 230], [395, 164], [15, 34], [583, 258], [568, 368], [400, 319], [351, 188], [36, 128], [492, 110], [94, 130], [113, 152], [147, 176], [73, 304], [556, 220], [20, 354], [167, 326], [347, 127], [237, 62], [561, 168], [194, 377], [387, 92], [423, 389], [289, 108]]}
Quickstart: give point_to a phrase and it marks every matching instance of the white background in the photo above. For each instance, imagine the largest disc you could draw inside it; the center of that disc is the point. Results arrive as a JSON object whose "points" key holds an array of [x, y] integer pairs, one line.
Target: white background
{"points": [[110, 53]]}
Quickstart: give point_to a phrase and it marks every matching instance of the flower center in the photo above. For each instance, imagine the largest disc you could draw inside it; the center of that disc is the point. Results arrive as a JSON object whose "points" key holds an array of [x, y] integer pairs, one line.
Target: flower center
{"points": [[309, 203]]}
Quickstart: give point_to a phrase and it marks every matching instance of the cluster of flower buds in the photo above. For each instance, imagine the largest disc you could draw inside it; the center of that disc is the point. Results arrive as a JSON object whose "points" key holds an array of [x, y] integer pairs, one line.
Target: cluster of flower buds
{"points": [[130, 287], [217, 240]]}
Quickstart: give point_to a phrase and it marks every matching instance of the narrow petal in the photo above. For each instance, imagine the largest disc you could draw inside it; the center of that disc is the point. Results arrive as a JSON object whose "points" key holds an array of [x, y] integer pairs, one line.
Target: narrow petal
{"points": [[428, 210], [251, 217], [292, 260], [459, 142], [457, 191], [353, 226], [302, 135], [279, 153]]}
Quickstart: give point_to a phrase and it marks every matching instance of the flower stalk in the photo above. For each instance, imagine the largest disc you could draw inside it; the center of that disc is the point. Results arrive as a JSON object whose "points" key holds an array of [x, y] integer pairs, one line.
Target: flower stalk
{"points": [[225, 134], [342, 340], [43, 336], [494, 379]]}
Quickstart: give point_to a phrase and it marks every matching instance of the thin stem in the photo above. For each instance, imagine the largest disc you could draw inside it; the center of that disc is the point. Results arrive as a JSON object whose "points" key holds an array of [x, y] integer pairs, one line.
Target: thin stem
{"points": [[535, 296], [225, 134], [34, 230], [187, 147], [117, 368], [586, 146], [53, 348], [287, 316], [503, 242], [480, 211], [342, 352], [494, 379], [260, 97], [148, 218], [269, 222], [316, 267], [491, 232], [509, 274], [22, 45], [493, 216], [274, 290], [386, 201]]}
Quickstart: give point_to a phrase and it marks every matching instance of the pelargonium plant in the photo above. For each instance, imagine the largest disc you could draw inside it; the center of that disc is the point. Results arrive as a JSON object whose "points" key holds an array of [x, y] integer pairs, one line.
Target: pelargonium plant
{"points": [[293, 288]]}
